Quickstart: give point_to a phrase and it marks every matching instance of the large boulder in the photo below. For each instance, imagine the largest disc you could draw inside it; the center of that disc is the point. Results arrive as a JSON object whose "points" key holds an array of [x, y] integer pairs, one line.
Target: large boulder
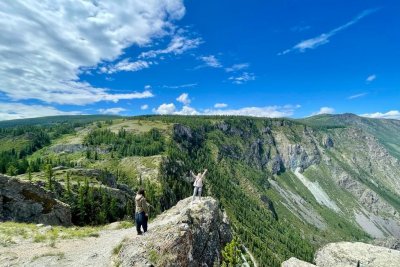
{"points": [[293, 262], [346, 254], [185, 235], [23, 201]]}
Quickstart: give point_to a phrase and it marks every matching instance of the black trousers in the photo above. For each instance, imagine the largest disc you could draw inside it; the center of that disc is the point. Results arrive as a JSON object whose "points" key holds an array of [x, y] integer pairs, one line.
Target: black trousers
{"points": [[141, 222]]}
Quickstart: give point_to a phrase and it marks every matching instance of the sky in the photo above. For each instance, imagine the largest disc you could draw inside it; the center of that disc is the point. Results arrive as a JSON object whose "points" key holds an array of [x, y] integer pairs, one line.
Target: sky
{"points": [[278, 58]]}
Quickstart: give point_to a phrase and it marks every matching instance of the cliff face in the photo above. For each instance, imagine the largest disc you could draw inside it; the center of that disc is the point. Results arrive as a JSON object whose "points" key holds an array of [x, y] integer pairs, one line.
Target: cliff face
{"points": [[188, 234], [25, 202]]}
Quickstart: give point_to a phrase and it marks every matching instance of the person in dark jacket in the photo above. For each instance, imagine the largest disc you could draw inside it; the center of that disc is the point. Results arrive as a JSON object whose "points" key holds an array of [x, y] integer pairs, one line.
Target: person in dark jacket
{"points": [[141, 212]]}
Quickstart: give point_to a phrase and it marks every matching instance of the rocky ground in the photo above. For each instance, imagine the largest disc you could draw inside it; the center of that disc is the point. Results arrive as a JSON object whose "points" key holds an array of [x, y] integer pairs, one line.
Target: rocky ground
{"points": [[90, 251], [188, 233]]}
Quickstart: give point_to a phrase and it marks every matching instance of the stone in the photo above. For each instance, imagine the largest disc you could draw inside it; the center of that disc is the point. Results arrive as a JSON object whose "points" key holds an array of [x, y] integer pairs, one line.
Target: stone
{"points": [[23, 201], [293, 262], [188, 234], [347, 254]]}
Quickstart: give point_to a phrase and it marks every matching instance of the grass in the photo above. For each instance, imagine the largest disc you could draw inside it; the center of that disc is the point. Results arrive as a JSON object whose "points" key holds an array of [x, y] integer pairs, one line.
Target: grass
{"points": [[125, 225], [10, 231]]}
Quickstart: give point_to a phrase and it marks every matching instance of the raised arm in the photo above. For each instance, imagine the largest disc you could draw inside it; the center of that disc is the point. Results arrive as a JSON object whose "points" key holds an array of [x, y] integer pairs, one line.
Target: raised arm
{"points": [[194, 176], [204, 173]]}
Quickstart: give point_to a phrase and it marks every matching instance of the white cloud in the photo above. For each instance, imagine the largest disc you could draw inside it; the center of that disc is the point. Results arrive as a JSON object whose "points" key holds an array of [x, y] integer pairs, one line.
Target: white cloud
{"points": [[144, 107], [357, 96], [244, 77], [237, 67], [220, 105], [46, 45], [113, 111], [211, 61], [180, 86], [12, 111], [184, 99], [323, 38], [268, 111], [147, 87], [324, 110], [393, 114], [165, 109], [178, 45], [186, 110], [126, 65], [370, 78]]}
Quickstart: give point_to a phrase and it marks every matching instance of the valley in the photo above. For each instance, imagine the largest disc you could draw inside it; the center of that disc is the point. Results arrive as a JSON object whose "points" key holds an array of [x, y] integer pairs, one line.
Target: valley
{"points": [[287, 186]]}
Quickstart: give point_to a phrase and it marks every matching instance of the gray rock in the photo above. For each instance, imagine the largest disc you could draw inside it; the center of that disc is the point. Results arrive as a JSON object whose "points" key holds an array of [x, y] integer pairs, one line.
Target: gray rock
{"points": [[293, 262], [25, 202], [347, 254], [185, 235]]}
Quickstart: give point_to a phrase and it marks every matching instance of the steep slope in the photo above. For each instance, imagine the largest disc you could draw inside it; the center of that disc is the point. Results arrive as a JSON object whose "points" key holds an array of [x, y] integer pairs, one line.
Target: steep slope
{"points": [[385, 130], [287, 186]]}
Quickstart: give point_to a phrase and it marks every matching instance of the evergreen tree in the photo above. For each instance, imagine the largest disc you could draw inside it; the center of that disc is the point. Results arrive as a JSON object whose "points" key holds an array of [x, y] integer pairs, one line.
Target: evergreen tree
{"points": [[30, 173], [49, 176]]}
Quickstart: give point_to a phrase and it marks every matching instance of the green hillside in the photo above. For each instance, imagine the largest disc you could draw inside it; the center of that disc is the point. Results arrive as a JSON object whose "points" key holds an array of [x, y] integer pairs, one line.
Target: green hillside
{"points": [[287, 186]]}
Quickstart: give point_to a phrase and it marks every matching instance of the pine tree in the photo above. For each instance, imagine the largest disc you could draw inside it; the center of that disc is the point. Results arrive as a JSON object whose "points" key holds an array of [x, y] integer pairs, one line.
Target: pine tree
{"points": [[113, 209], [49, 176], [30, 173]]}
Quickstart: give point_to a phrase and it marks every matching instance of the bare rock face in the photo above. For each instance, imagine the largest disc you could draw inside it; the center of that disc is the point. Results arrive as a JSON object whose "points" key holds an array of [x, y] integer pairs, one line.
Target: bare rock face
{"points": [[294, 262], [185, 235], [346, 254], [25, 202]]}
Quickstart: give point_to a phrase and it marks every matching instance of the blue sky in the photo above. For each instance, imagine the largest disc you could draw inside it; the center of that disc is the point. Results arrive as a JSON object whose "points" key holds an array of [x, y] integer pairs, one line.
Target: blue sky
{"points": [[261, 58]]}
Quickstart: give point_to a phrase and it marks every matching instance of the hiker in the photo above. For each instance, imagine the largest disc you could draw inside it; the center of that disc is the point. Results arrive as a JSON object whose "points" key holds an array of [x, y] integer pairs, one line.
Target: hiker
{"points": [[198, 183], [141, 212]]}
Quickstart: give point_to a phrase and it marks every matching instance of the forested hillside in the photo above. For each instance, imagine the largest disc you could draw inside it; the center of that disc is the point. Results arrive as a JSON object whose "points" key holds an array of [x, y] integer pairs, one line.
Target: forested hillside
{"points": [[287, 186]]}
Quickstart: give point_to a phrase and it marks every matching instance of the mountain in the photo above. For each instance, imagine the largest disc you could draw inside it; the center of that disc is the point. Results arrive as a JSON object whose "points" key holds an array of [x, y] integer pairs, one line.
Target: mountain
{"points": [[287, 186]]}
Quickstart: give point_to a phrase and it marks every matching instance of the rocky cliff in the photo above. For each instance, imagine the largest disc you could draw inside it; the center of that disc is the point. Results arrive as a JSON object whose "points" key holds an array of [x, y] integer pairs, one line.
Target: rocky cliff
{"points": [[25, 202], [188, 234], [347, 254]]}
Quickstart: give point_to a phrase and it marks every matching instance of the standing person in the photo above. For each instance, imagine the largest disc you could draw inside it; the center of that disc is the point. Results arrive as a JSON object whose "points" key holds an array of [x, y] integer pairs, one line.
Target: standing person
{"points": [[198, 183], [141, 212]]}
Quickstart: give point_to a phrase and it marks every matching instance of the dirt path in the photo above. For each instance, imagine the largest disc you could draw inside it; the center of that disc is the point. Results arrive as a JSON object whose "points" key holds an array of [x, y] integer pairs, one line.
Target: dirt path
{"points": [[90, 251]]}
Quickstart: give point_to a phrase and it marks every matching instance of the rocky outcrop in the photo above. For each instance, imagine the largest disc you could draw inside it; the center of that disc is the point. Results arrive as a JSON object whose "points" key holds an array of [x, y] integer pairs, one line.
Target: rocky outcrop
{"points": [[25, 202], [347, 254], [185, 235], [293, 262]]}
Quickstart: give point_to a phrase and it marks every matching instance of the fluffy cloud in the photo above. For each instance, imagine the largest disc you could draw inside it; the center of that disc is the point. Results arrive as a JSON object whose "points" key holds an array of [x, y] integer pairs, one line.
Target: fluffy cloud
{"points": [[184, 99], [268, 111], [370, 78], [242, 78], [12, 111], [211, 61], [144, 107], [393, 114], [324, 110], [220, 105], [112, 111], [165, 109], [323, 38], [46, 45]]}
